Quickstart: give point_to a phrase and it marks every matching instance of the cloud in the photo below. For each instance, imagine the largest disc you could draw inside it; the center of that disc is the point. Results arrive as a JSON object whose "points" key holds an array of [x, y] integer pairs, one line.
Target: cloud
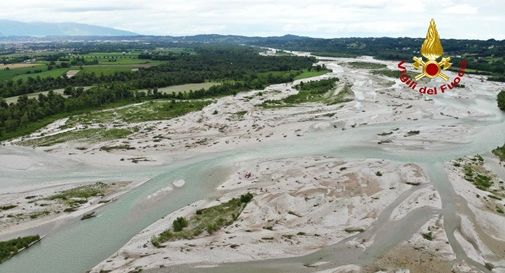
{"points": [[98, 8], [461, 9], [317, 18]]}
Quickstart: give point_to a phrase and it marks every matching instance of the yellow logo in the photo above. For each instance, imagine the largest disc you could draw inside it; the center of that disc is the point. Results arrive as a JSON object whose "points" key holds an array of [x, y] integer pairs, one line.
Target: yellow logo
{"points": [[432, 50]]}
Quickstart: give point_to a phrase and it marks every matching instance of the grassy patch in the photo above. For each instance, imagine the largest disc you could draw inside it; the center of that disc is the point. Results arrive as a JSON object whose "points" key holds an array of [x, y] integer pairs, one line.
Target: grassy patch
{"points": [[36, 125], [151, 110], [474, 172], [38, 214], [14, 246], [314, 91], [207, 220], [391, 73], [366, 65], [187, 87], [311, 73], [500, 152], [88, 135], [80, 195]]}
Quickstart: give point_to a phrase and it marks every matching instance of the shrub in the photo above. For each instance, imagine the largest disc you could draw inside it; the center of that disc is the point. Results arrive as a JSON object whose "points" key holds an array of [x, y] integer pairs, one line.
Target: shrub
{"points": [[501, 100], [246, 198], [179, 224]]}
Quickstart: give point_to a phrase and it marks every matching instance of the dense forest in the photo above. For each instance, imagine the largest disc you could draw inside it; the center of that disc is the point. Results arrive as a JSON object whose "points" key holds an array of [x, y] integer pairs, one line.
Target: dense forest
{"points": [[239, 68]]}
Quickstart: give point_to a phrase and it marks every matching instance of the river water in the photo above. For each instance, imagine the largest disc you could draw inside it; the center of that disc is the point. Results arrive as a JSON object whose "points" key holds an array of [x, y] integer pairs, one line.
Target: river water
{"points": [[76, 247]]}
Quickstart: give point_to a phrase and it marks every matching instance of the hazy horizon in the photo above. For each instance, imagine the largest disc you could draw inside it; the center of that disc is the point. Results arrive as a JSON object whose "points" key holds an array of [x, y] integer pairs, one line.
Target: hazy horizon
{"points": [[464, 19]]}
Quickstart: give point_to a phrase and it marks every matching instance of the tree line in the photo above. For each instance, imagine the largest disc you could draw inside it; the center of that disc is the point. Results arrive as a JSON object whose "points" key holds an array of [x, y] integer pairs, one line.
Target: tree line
{"points": [[209, 63]]}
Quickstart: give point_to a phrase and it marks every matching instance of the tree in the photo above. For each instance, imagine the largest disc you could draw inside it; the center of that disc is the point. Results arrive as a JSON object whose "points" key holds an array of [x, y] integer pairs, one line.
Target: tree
{"points": [[501, 100]]}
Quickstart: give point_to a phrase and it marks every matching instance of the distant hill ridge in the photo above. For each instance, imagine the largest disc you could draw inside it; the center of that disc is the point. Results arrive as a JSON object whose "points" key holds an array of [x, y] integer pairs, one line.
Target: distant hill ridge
{"points": [[15, 28]]}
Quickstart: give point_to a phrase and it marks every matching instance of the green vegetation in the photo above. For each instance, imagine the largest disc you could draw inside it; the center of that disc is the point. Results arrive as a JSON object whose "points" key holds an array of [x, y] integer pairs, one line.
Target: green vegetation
{"points": [[428, 236], [14, 246], [366, 65], [412, 133], [501, 100], [313, 91], [205, 220], [392, 73], [484, 56], [183, 88], [475, 173], [179, 224], [44, 74], [38, 214], [8, 74], [500, 152], [75, 197], [107, 70], [7, 207], [311, 73], [151, 110], [88, 135]]}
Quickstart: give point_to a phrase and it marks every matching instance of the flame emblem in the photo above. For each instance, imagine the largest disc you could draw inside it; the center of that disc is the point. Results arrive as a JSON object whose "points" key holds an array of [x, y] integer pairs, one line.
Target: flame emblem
{"points": [[432, 50]]}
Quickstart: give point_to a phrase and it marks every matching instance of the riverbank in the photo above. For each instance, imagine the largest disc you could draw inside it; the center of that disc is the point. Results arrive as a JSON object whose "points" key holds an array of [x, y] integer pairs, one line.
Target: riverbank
{"points": [[40, 210]]}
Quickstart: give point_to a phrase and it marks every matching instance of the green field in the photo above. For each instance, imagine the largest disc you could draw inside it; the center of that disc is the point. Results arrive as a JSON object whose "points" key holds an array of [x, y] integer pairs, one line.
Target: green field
{"points": [[8, 74], [54, 73]]}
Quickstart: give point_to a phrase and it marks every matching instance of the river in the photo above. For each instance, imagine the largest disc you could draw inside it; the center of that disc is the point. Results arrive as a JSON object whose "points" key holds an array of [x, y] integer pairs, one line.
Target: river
{"points": [[78, 246]]}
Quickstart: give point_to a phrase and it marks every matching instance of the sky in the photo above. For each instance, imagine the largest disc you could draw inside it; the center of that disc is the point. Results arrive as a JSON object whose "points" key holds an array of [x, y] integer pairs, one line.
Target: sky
{"points": [[467, 19]]}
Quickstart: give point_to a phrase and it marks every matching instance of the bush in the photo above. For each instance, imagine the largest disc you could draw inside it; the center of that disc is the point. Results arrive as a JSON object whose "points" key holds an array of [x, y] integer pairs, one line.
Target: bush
{"points": [[501, 100], [246, 198], [179, 224]]}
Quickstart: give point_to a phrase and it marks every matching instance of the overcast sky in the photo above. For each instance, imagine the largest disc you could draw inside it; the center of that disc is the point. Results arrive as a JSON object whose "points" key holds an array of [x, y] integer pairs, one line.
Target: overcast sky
{"points": [[472, 19]]}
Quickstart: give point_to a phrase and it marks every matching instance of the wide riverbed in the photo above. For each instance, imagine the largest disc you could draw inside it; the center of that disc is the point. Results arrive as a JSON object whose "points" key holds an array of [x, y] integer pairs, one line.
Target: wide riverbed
{"points": [[76, 247]]}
